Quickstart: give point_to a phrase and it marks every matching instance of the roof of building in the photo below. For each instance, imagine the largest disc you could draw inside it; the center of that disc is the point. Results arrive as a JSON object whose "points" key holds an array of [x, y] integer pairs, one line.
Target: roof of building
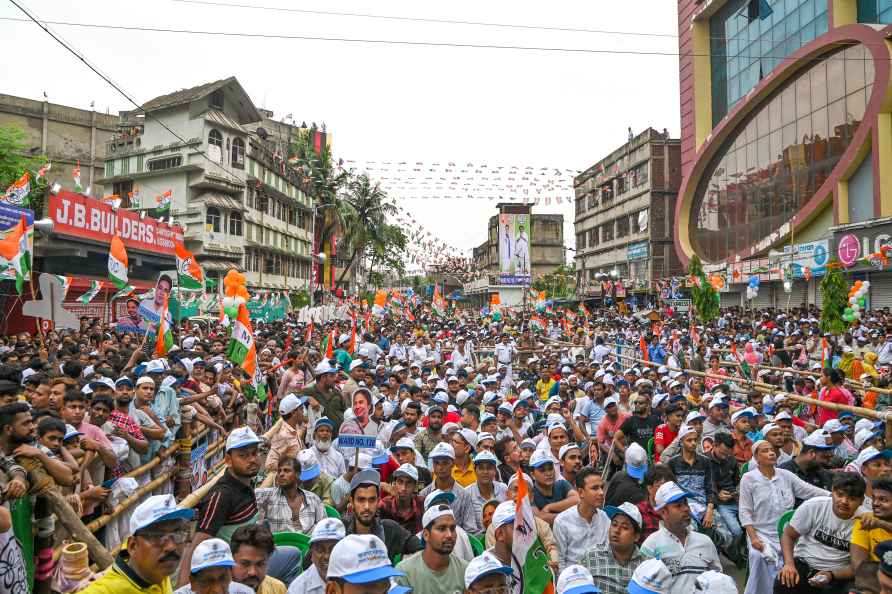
{"points": [[186, 96]]}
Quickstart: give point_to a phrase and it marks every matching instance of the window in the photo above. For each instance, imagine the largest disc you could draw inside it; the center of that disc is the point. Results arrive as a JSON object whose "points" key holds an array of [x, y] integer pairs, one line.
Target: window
{"points": [[110, 168], [580, 241], [638, 176], [235, 223], [215, 146], [165, 163], [621, 185], [216, 99], [238, 153], [622, 226], [212, 222], [607, 232], [122, 189]]}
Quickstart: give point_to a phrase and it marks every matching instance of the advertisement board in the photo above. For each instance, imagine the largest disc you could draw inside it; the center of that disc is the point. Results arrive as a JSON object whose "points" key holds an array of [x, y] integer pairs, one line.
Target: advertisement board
{"points": [[514, 249], [853, 244], [10, 217], [813, 256], [79, 216], [638, 251]]}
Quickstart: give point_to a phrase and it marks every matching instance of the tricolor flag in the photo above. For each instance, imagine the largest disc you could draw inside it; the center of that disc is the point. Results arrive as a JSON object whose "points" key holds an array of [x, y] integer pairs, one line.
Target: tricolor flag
{"points": [[87, 297], [826, 359], [125, 291], [243, 351], [309, 333], [134, 198], [112, 200], [409, 315], [17, 193], [529, 559], [15, 248], [164, 339], [42, 171], [438, 303], [76, 174], [163, 200], [188, 270], [744, 366], [117, 263], [66, 283]]}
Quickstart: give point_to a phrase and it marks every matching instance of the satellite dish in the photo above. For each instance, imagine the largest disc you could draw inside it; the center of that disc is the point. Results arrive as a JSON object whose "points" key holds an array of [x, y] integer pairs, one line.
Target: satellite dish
{"points": [[262, 133]]}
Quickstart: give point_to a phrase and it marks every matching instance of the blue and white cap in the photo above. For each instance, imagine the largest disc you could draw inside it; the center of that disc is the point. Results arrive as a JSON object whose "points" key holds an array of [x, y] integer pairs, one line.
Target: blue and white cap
{"points": [[157, 508], [651, 577], [486, 456], [360, 559], [484, 565], [241, 438], [715, 582], [328, 529], [442, 450], [309, 465], [669, 493], [576, 579], [540, 458], [213, 552], [70, 432]]}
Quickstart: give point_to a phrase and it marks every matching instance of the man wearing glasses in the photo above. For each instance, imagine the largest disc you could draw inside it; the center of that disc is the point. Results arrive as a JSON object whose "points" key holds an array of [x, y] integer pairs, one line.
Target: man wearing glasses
{"points": [[158, 534]]}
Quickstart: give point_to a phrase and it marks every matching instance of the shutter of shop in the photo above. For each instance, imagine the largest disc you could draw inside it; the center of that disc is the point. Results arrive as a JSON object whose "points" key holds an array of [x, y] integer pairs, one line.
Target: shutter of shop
{"points": [[730, 299], [880, 290]]}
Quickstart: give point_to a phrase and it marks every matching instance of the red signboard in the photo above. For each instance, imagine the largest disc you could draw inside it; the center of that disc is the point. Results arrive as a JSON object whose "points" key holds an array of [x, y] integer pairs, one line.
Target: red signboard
{"points": [[79, 216]]}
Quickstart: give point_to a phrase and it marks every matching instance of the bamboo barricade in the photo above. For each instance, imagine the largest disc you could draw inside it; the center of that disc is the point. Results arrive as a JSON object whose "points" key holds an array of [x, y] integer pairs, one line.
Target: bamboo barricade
{"points": [[771, 389]]}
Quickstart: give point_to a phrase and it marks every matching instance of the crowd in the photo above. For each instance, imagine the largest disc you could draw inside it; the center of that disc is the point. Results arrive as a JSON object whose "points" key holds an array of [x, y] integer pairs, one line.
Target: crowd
{"points": [[654, 456]]}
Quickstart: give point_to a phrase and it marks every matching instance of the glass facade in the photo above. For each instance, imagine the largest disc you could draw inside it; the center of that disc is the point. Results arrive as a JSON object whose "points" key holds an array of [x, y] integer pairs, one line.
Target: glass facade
{"points": [[745, 48], [875, 11], [776, 160]]}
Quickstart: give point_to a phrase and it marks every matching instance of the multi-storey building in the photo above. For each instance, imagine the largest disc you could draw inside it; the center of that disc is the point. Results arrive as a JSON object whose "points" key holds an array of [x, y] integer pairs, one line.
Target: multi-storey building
{"points": [[625, 207], [786, 143]]}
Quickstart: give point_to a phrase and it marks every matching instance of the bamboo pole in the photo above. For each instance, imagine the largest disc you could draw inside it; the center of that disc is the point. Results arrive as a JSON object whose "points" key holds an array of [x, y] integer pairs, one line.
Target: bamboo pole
{"points": [[70, 520]]}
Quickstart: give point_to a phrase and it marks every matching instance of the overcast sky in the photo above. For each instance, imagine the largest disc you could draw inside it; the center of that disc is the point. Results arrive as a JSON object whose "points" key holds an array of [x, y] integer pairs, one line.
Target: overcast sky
{"points": [[384, 102]]}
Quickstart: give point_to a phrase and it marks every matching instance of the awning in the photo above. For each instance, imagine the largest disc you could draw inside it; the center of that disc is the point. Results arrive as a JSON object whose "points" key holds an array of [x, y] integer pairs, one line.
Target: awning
{"points": [[219, 118], [221, 201], [220, 265]]}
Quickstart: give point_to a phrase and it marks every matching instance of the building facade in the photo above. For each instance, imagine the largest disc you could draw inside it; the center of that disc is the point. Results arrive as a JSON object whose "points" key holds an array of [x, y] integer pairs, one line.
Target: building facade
{"points": [[231, 189], [492, 260], [625, 214], [786, 143]]}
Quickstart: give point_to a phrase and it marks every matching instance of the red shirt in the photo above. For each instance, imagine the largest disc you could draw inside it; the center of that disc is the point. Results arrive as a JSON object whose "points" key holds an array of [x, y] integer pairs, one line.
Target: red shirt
{"points": [[663, 435], [833, 394]]}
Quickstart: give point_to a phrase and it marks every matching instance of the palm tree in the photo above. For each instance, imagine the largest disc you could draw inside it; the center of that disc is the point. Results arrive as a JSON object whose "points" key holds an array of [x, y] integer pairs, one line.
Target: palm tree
{"points": [[363, 210]]}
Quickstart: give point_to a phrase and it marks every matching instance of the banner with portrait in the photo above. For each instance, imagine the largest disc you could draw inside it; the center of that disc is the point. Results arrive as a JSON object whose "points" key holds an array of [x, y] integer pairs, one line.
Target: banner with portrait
{"points": [[514, 249]]}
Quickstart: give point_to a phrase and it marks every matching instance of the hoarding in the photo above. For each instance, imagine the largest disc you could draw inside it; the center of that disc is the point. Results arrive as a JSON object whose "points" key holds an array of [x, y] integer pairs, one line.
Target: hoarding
{"points": [[514, 249], [9, 218], [79, 216]]}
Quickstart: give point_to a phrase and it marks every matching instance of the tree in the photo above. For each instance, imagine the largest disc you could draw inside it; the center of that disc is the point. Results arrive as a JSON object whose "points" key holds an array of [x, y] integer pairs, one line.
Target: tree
{"points": [[385, 253], [703, 295], [560, 283], [836, 298], [364, 209], [15, 159]]}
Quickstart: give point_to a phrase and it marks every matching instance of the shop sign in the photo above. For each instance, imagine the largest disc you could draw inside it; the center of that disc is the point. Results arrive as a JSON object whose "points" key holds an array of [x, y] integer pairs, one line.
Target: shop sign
{"points": [[638, 251], [679, 305], [79, 216], [853, 244], [812, 256]]}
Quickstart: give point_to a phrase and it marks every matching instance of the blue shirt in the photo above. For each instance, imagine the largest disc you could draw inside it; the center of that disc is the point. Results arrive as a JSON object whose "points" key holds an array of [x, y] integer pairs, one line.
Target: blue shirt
{"points": [[559, 492]]}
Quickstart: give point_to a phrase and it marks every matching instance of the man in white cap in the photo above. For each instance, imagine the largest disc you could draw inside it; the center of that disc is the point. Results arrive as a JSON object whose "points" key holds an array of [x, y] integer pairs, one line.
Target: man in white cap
{"points": [[695, 472], [230, 503], [358, 564], [331, 460], [325, 536], [689, 553], [158, 533], [286, 442], [551, 495], [435, 569], [442, 458], [615, 561], [464, 443], [715, 582], [653, 577], [404, 506], [486, 574], [584, 525], [486, 488], [211, 571]]}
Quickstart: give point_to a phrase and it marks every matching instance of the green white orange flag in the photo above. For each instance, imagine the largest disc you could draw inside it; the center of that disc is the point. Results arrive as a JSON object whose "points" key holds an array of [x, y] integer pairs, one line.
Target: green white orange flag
{"points": [[164, 338], [188, 270], [242, 351], [117, 263], [529, 559], [66, 283], [87, 297], [15, 248]]}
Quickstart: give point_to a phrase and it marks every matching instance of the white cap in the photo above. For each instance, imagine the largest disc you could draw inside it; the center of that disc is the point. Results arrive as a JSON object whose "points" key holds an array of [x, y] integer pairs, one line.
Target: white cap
{"points": [[484, 565], [485, 456], [818, 439], [356, 363], [783, 416], [309, 465], [447, 496], [408, 471], [566, 448], [716, 583], [289, 404], [627, 509], [668, 492], [868, 454], [576, 579], [863, 436], [154, 366], [328, 529], [324, 367], [636, 461], [142, 380], [157, 508], [434, 512], [834, 426], [744, 412], [540, 458], [553, 400], [403, 443], [360, 559], [469, 436], [504, 513], [483, 435], [461, 396], [769, 427], [685, 430], [241, 438], [651, 577], [442, 450], [693, 416], [610, 400], [861, 424], [213, 552]]}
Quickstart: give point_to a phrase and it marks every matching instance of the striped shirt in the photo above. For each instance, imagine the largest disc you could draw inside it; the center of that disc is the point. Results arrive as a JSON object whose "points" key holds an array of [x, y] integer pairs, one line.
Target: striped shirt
{"points": [[229, 502], [274, 508]]}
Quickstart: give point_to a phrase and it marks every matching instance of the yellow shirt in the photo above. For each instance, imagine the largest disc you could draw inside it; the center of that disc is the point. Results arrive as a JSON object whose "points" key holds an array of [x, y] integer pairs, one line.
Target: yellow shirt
{"points": [[464, 476], [120, 579], [543, 388], [869, 539], [271, 585]]}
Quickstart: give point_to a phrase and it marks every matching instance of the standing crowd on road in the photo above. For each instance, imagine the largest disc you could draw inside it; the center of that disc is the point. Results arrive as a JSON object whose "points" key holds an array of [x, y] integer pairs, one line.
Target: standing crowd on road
{"points": [[637, 454]]}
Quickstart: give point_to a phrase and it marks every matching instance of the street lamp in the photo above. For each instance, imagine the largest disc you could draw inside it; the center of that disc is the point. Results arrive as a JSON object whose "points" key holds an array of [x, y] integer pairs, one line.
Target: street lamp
{"points": [[614, 274]]}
